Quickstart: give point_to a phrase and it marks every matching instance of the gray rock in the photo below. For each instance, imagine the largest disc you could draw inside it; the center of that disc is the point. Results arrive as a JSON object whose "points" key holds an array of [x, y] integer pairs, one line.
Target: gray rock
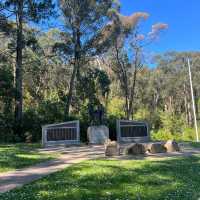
{"points": [[98, 134], [172, 146], [135, 149], [156, 148], [111, 148]]}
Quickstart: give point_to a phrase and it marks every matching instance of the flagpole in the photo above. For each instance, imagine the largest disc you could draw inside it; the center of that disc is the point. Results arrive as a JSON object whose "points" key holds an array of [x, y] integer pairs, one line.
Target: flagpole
{"points": [[193, 103]]}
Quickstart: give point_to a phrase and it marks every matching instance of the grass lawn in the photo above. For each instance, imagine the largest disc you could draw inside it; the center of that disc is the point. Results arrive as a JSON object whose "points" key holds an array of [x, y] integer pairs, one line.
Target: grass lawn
{"points": [[194, 144], [169, 179], [16, 156]]}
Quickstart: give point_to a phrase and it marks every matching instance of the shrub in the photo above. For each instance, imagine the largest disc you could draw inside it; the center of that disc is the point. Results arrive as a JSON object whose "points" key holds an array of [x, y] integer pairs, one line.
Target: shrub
{"points": [[115, 107], [6, 128], [32, 124], [152, 118], [189, 134], [162, 134], [171, 123]]}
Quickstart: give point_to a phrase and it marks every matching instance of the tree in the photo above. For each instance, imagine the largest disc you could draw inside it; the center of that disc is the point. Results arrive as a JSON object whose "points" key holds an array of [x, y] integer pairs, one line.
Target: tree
{"points": [[23, 11], [85, 22], [95, 92], [175, 92], [127, 54]]}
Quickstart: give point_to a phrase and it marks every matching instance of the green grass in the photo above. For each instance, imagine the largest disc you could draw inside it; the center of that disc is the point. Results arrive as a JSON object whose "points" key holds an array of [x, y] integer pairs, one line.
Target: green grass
{"points": [[16, 156], [195, 144], [167, 179]]}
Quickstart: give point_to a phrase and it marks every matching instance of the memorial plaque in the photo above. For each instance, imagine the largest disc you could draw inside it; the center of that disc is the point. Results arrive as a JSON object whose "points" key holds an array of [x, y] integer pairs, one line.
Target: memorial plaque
{"points": [[132, 131], [63, 133]]}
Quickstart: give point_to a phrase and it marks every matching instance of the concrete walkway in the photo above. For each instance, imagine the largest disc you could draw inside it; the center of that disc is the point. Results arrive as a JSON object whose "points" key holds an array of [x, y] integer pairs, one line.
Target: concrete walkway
{"points": [[69, 156]]}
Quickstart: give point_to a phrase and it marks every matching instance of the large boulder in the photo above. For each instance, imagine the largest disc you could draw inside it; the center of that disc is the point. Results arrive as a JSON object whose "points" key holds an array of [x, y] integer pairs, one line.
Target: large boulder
{"points": [[135, 149], [157, 148], [111, 148], [172, 146], [98, 134]]}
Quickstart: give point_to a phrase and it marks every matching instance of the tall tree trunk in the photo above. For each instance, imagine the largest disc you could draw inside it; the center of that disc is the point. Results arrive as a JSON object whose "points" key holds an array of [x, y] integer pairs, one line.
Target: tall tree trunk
{"points": [[196, 102], [75, 70], [186, 105], [132, 94], [123, 81], [133, 86], [71, 88], [18, 70], [190, 119]]}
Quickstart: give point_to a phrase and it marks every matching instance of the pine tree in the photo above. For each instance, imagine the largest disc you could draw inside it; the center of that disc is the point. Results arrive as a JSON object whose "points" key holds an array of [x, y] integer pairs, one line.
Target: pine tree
{"points": [[23, 12], [84, 22]]}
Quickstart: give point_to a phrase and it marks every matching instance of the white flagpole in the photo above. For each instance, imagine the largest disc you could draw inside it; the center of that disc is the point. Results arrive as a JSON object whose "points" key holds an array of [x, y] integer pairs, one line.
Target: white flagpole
{"points": [[193, 103]]}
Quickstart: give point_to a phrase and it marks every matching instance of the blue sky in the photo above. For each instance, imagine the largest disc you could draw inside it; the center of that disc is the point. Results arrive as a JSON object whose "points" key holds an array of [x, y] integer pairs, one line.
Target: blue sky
{"points": [[182, 16]]}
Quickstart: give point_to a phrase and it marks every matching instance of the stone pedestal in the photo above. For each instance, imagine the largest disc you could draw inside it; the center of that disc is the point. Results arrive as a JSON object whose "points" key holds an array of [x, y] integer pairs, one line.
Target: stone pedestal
{"points": [[98, 134]]}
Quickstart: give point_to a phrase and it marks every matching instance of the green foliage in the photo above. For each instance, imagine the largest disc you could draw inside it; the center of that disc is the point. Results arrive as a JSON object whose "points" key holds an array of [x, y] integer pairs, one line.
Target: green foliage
{"points": [[7, 93], [46, 113], [94, 93], [115, 107], [51, 57], [187, 134], [163, 135], [171, 123], [142, 114], [173, 127], [96, 86]]}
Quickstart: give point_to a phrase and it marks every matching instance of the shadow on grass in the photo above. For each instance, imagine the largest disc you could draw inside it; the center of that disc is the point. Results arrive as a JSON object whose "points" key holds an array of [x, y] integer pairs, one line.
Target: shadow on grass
{"points": [[19, 155], [175, 178]]}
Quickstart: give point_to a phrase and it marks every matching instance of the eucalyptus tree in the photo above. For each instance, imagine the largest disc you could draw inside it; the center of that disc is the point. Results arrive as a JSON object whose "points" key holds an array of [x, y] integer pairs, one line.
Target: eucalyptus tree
{"points": [[124, 68], [22, 12], [127, 54], [85, 22], [175, 91]]}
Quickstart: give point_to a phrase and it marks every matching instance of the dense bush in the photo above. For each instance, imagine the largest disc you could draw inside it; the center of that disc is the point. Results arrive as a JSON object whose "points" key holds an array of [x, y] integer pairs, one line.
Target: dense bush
{"points": [[162, 134], [164, 126], [6, 128], [188, 134]]}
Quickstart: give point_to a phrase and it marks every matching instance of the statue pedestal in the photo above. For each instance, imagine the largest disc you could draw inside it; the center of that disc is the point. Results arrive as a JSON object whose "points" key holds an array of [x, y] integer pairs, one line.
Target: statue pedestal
{"points": [[98, 134]]}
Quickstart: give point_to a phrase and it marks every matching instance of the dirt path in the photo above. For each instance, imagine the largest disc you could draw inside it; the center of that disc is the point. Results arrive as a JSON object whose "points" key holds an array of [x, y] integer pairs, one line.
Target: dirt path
{"points": [[69, 156]]}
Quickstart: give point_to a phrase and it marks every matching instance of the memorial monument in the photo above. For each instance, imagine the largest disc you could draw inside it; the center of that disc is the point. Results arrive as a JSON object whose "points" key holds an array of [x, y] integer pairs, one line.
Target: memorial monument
{"points": [[97, 133]]}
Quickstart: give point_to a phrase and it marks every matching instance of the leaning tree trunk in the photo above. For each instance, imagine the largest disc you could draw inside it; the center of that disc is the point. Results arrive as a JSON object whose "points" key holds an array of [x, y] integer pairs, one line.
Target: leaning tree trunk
{"points": [[71, 88], [18, 70], [133, 92], [74, 73], [123, 81]]}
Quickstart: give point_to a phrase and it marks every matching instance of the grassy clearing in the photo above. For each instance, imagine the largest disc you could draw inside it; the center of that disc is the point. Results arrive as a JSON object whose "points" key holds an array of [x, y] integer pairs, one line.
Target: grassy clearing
{"points": [[168, 179], [195, 144], [16, 156]]}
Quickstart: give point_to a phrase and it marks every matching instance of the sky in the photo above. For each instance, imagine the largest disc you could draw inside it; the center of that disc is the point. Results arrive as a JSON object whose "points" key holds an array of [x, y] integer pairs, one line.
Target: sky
{"points": [[182, 17]]}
